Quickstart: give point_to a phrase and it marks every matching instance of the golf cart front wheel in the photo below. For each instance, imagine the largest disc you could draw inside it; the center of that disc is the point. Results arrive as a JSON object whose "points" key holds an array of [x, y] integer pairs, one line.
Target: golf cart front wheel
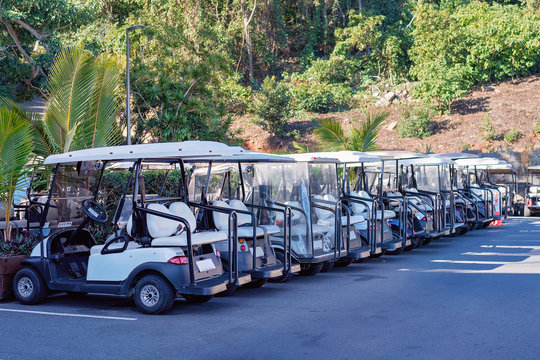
{"points": [[29, 287], [310, 269], [154, 295]]}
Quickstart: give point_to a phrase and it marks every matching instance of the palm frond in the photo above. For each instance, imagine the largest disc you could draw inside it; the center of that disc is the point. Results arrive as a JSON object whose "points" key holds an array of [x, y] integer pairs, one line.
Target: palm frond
{"points": [[42, 145], [300, 148], [369, 130], [70, 84], [330, 134]]}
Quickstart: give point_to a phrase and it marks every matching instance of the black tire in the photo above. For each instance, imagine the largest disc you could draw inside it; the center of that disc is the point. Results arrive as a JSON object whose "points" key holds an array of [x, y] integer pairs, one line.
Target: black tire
{"points": [[255, 284], [29, 287], [426, 241], [395, 252], [345, 262], [231, 289], [153, 295], [327, 266], [196, 299], [310, 269], [283, 278]]}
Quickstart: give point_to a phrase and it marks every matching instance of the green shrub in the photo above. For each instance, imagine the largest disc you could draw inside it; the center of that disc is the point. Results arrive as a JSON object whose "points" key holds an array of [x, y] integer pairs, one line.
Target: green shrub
{"points": [[488, 130], [458, 46], [320, 97], [537, 128], [416, 122], [272, 105], [511, 136]]}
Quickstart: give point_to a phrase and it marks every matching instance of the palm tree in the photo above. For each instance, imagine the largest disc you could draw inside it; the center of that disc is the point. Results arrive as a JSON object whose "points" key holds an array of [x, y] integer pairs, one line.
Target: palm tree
{"points": [[333, 138], [81, 105], [15, 148]]}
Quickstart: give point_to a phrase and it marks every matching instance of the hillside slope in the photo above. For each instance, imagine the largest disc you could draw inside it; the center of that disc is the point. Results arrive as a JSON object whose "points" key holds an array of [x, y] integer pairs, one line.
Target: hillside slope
{"points": [[513, 104]]}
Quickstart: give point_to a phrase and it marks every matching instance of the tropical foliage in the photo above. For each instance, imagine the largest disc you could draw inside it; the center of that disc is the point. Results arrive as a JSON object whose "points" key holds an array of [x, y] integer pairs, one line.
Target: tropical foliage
{"points": [[332, 137], [15, 148]]}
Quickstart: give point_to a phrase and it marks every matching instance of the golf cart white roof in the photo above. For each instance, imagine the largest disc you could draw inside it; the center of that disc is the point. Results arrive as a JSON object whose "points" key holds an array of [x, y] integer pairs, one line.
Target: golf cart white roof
{"points": [[396, 154], [454, 156], [184, 150], [313, 157], [480, 161], [342, 156], [431, 160], [534, 169]]}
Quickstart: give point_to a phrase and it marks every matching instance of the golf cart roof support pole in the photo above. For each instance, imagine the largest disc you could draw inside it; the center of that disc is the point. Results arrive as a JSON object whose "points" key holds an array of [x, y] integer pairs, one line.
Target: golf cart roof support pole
{"points": [[241, 176], [183, 181], [45, 212], [98, 185], [136, 184]]}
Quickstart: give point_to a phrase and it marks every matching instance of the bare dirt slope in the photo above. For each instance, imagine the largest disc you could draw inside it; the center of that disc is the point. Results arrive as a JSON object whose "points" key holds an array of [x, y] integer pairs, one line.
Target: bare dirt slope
{"points": [[513, 104]]}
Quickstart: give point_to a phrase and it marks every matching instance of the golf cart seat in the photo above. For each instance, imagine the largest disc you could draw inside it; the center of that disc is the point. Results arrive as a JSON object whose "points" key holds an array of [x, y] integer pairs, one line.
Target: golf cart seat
{"points": [[245, 229], [327, 218], [361, 209], [239, 205], [534, 190], [167, 232]]}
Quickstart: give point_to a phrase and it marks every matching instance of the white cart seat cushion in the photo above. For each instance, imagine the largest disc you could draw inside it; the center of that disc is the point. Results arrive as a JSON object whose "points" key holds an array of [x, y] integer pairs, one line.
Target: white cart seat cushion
{"points": [[181, 209], [247, 232], [270, 229], [159, 226], [239, 205], [358, 208], [534, 189], [321, 213], [388, 214], [221, 220], [205, 237], [330, 222], [300, 230]]}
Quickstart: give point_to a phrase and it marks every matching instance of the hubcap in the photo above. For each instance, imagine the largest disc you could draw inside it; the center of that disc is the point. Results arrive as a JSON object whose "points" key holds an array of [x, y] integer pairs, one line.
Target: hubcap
{"points": [[149, 295], [25, 287]]}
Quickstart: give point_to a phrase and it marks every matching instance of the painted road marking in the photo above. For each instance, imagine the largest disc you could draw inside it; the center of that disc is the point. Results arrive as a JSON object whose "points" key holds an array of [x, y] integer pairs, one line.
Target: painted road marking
{"points": [[69, 315]]}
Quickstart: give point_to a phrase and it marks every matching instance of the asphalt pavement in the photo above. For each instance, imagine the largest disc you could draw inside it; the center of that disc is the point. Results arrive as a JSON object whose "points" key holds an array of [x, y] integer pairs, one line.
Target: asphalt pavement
{"points": [[475, 296]]}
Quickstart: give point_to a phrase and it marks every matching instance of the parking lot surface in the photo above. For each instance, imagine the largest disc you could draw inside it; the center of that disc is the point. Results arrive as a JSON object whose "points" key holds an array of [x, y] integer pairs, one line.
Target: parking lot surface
{"points": [[475, 296]]}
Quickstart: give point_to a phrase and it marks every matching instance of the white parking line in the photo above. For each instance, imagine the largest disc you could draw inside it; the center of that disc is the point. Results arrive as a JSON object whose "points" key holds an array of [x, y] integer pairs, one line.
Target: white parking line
{"points": [[69, 315]]}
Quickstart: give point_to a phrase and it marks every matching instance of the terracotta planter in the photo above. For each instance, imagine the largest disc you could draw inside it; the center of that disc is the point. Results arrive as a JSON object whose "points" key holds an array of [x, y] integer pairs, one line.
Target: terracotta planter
{"points": [[9, 265]]}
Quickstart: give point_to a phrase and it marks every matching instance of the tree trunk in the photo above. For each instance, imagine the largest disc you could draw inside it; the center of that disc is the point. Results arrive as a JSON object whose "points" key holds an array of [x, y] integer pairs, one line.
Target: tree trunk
{"points": [[247, 20]]}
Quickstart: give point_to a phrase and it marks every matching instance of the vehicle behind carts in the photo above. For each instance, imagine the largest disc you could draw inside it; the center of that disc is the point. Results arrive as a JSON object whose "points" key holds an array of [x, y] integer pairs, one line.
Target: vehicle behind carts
{"points": [[532, 192], [153, 250]]}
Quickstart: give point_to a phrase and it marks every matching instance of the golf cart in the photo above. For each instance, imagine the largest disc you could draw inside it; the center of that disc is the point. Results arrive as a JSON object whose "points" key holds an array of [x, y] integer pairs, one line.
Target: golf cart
{"points": [[532, 197], [430, 177], [503, 177], [154, 250], [230, 183], [305, 187]]}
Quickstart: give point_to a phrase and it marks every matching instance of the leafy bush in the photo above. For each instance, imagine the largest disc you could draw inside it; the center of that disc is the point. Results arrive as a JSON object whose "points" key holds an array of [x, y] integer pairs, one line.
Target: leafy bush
{"points": [[320, 97], [416, 122], [22, 244], [459, 46], [273, 105], [537, 128], [511, 136], [488, 130]]}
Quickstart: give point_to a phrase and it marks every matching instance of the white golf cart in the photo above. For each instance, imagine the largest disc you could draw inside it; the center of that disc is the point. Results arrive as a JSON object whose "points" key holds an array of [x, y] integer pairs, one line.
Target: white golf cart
{"points": [[230, 183], [155, 251]]}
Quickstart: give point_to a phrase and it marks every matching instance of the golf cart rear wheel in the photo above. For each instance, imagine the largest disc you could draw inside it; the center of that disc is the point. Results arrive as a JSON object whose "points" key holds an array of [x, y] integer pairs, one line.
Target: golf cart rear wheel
{"points": [[257, 283], [196, 299], [29, 287], [283, 278], [231, 289], [344, 262], [426, 241], [153, 295], [327, 266], [310, 269]]}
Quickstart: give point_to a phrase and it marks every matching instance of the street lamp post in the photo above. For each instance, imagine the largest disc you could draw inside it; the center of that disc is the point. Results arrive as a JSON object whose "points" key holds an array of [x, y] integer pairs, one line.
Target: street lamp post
{"points": [[128, 86]]}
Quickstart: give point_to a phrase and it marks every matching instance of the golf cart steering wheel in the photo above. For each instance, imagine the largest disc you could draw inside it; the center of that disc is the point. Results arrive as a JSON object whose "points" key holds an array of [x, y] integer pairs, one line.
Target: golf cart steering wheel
{"points": [[94, 211]]}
